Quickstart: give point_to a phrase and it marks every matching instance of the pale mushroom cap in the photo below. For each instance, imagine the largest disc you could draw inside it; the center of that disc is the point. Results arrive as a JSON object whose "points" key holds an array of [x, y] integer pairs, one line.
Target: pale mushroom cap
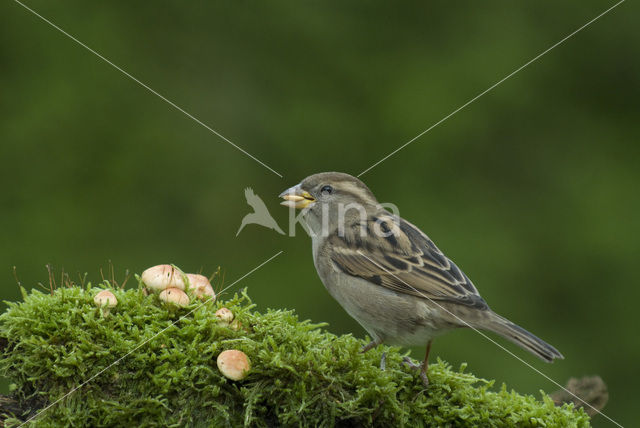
{"points": [[105, 298], [225, 315], [175, 296], [200, 285], [207, 291], [234, 364], [161, 277]]}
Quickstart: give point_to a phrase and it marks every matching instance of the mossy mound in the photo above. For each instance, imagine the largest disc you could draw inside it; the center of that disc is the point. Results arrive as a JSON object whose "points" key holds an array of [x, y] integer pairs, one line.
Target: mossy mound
{"points": [[301, 374]]}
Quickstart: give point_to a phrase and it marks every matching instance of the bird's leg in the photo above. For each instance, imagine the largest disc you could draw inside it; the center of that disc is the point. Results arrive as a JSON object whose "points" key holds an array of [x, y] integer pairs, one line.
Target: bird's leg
{"points": [[425, 366], [422, 367], [373, 344]]}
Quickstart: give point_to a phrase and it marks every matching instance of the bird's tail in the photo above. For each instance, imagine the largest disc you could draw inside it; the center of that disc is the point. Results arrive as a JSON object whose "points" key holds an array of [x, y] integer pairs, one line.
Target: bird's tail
{"points": [[521, 337]]}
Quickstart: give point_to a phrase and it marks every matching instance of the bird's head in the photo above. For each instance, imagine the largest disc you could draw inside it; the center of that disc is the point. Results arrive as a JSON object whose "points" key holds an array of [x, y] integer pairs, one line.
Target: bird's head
{"points": [[327, 198]]}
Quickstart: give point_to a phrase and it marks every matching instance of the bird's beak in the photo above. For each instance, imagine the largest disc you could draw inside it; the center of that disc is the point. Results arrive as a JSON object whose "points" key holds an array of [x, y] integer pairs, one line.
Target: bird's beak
{"points": [[295, 197]]}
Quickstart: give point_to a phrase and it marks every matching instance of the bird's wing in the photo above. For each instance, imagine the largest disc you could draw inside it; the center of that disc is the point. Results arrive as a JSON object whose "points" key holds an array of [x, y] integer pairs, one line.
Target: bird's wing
{"points": [[248, 193], [254, 201], [404, 260]]}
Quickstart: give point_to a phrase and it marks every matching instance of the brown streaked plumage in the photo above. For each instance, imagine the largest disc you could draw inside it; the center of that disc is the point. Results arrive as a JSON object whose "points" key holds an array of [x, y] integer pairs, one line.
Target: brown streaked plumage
{"points": [[387, 274]]}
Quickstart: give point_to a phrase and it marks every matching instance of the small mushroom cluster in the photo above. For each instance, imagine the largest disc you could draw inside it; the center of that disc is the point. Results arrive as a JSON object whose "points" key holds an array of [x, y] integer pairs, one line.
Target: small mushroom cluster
{"points": [[225, 317], [233, 364], [170, 282]]}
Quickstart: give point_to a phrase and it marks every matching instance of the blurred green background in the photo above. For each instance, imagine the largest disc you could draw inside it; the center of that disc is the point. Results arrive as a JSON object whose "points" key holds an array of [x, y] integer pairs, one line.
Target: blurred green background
{"points": [[532, 189]]}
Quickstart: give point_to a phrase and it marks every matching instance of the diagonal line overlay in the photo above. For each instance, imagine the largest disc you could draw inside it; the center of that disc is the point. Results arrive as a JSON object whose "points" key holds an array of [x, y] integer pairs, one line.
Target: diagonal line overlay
{"points": [[144, 343], [488, 338], [162, 97], [541, 54]]}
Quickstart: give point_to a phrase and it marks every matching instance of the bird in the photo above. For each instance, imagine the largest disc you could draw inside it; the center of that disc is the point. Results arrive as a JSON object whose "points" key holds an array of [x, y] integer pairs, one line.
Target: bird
{"points": [[388, 274], [260, 215]]}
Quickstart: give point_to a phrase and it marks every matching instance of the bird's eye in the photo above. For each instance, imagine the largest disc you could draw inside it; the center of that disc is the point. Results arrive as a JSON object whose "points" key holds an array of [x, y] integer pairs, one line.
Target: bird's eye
{"points": [[326, 190]]}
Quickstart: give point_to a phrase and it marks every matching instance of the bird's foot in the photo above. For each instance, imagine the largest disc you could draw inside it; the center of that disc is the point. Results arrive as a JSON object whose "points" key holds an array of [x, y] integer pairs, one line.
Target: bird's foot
{"points": [[409, 363], [425, 379], [423, 372], [370, 345]]}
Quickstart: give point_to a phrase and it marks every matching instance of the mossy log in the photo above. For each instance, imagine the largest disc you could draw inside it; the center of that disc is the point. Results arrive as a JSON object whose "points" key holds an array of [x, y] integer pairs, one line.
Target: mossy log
{"points": [[166, 373]]}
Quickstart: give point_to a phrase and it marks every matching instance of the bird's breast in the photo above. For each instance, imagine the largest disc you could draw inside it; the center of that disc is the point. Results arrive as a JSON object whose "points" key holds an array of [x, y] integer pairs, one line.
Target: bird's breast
{"points": [[394, 317]]}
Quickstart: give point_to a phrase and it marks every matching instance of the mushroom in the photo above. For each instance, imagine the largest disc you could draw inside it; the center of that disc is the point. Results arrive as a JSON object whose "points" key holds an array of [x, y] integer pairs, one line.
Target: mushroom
{"points": [[105, 300], [201, 286], [174, 296], [161, 277], [224, 315], [233, 364]]}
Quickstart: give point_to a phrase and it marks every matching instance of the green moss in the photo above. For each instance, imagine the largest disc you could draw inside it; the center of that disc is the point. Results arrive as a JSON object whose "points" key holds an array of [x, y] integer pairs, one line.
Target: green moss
{"points": [[301, 374]]}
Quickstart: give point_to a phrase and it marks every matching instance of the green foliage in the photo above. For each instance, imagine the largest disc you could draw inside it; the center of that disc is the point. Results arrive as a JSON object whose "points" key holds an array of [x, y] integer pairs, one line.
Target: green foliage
{"points": [[166, 374]]}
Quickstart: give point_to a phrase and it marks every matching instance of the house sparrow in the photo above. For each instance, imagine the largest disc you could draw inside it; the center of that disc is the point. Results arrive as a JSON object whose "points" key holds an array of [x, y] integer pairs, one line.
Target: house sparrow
{"points": [[387, 274]]}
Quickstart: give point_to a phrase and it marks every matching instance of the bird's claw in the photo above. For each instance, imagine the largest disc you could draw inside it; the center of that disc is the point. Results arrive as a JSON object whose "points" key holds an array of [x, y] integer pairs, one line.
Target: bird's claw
{"points": [[423, 374], [425, 379], [370, 345]]}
